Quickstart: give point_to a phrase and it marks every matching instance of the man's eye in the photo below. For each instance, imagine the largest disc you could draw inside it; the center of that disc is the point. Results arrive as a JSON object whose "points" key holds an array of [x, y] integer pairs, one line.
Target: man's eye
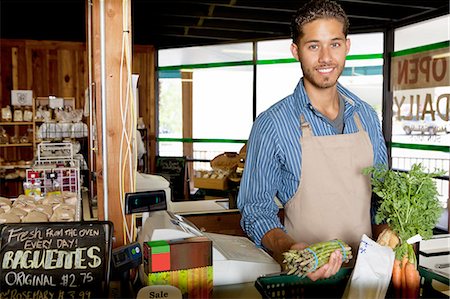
{"points": [[335, 45], [313, 47]]}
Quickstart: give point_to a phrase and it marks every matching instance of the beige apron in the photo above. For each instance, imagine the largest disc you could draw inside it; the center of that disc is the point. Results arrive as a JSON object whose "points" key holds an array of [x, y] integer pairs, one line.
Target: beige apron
{"points": [[333, 196]]}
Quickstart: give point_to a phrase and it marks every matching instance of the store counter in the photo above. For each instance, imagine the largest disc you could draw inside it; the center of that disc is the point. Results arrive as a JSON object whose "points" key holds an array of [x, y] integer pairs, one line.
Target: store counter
{"points": [[234, 291], [235, 259], [213, 215]]}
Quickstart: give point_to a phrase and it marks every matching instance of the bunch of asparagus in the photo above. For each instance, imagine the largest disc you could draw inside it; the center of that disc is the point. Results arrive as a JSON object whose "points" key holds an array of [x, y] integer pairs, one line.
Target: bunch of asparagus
{"points": [[301, 262]]}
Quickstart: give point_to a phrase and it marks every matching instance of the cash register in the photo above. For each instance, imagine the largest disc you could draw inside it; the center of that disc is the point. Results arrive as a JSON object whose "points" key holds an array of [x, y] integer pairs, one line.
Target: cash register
{"points": [[236, 259]]}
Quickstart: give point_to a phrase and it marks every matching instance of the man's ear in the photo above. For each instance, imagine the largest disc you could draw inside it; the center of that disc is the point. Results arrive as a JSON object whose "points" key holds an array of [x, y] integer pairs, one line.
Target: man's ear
{"points": [[294, 51], [347, 43]]}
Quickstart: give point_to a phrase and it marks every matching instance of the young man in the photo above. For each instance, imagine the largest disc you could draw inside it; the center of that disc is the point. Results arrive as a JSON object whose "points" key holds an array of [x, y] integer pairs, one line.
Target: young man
{"points": [[310, 148]]}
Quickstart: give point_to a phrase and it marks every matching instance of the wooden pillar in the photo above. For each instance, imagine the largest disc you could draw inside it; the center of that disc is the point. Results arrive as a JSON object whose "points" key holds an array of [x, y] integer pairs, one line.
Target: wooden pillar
{"points": [[188, 147], [115, 87]]}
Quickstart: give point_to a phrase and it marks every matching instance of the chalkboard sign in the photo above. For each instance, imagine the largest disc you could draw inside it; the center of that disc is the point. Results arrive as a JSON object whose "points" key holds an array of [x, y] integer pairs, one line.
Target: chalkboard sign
{"points": [[55, 260], [174, 170]]}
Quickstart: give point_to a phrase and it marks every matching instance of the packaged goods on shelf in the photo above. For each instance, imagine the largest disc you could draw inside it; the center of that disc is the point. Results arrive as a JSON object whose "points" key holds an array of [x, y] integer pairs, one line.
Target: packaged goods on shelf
{"points": [[61, 207], [59, 130]]}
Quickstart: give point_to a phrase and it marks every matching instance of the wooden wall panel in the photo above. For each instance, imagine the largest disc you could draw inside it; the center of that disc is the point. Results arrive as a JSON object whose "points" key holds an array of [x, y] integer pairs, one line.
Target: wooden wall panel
{"points": [[14, 67], [5, 74], [46, 67], [60, 69], [144, 65]]}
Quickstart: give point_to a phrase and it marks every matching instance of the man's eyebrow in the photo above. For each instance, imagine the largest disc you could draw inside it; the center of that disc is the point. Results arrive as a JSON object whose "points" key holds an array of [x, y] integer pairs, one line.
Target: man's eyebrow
{"points": [[318, 41]]}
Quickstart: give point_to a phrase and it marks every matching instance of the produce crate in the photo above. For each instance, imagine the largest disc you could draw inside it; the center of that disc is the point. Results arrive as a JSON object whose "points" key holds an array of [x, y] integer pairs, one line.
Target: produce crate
{"points": [[292, 286], [215, 184]]}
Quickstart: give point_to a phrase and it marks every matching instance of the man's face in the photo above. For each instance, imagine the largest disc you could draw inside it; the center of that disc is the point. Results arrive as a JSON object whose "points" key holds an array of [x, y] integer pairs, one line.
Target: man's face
{"points": [[321, 51]]}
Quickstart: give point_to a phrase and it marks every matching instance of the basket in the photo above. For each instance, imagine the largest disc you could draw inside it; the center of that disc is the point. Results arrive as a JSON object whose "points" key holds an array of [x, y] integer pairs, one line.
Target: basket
{"points": [[292, 286], [227, 162]]}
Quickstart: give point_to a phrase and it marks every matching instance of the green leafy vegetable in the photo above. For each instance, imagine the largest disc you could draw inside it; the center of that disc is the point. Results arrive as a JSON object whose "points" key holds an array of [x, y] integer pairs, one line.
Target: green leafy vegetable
{"points": [[409, 204]]}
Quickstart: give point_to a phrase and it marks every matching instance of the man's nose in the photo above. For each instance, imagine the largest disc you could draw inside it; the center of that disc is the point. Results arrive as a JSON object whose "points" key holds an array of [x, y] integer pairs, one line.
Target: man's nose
{"points": [[325, 55]]}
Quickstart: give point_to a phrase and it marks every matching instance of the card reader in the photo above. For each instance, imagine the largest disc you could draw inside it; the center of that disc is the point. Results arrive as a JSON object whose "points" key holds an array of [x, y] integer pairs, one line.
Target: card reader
{"points": [[126, 257], [145, 201]]}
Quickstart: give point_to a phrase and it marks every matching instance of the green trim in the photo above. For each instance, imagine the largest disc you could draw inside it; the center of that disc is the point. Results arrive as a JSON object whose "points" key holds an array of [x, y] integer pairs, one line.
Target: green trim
{"points": [[260, 62], [364, 56], [276, 61], [415, 50], [205, 65], [425, 147], [200, 140], [419, 49]]}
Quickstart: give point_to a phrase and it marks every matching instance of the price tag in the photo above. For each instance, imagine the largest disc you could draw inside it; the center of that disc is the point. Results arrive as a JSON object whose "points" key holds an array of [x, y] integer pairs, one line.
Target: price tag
{"points": [[159, 291], [414, 239]]}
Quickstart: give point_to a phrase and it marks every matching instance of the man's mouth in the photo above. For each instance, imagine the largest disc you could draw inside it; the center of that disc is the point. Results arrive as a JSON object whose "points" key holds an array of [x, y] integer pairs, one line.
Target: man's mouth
{"points": [[325, 70]]}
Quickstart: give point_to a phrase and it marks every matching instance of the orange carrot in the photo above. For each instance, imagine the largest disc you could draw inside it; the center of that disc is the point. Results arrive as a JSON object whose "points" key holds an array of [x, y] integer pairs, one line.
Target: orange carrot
{"points": [[412, 285], [418, 282], [403, 277], [397, 278]]}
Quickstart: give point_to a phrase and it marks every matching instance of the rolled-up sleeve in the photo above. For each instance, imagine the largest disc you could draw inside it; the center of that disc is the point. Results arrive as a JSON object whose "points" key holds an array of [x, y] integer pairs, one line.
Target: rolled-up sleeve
{"points": [[260, 181]]}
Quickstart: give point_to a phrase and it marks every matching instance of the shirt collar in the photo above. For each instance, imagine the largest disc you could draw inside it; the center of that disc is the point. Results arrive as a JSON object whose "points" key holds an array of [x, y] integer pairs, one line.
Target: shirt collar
{"points": [[302, 99]]}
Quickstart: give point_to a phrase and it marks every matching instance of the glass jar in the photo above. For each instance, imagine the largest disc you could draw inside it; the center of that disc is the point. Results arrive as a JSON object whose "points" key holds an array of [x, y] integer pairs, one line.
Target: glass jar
{"points": [[6, 113], [18, 113], [4, 138], [27, 114]]}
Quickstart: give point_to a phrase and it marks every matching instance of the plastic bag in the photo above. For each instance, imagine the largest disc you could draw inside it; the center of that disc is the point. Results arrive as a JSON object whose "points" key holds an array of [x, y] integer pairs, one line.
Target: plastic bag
{"points": [[372, 273]]}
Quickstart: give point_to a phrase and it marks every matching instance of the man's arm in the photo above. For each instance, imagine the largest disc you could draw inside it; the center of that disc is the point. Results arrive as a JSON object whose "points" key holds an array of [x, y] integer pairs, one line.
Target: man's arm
{"points": [[277, 241]]}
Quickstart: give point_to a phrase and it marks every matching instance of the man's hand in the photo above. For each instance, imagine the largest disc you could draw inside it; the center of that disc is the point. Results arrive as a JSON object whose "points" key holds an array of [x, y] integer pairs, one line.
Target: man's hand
{"points": [[329, 269], [278, 242]]}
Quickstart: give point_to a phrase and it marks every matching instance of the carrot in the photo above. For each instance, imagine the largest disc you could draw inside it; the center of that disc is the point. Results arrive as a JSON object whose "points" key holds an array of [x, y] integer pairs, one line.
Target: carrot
{"points": [[403, 276], [412, 283], [418, 282], [397, 278]]}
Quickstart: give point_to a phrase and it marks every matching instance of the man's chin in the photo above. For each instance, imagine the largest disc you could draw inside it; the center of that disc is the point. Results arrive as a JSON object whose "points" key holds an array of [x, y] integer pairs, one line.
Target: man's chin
{"points": [[324, 84]]}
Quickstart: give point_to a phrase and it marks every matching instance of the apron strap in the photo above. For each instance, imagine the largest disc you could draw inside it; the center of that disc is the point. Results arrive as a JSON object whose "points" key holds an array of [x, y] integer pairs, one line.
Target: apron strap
{"points": [[358, 122], [305, 127]]}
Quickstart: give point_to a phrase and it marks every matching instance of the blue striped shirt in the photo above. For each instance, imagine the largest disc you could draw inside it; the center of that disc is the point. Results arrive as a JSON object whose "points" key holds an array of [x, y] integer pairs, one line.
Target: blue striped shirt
{"points": [[273, 161]]}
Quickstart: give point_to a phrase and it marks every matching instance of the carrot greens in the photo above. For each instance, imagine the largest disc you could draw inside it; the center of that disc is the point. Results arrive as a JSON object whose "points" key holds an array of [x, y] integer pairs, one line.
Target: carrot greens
{"points": [[409, 205], [409, 202]]}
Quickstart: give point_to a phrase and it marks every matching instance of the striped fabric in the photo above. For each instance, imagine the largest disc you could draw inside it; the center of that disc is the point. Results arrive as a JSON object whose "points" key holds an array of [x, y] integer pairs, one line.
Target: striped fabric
{"points": [[273, 161]]}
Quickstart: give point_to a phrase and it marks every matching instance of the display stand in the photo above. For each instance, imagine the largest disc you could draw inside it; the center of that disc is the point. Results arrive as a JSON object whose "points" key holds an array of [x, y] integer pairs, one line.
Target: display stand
{"points": [[56, 168]]}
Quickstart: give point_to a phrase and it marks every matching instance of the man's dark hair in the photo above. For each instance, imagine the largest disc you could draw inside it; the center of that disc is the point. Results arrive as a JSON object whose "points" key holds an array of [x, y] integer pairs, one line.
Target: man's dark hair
{"points": [[314, 10]]}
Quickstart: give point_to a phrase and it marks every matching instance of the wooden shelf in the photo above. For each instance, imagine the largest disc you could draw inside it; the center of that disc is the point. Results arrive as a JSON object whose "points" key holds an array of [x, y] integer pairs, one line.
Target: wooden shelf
{"points": [[16, 144], [15, 166], [15, 123], [12, 153]]}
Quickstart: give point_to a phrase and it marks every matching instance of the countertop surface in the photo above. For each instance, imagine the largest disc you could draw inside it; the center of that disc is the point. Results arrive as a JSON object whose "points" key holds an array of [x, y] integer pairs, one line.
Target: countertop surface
{"points": [[219, 205], [207, 206]]}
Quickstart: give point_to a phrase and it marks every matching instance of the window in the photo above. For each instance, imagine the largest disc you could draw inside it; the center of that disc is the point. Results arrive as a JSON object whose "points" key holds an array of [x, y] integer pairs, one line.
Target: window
{"points": [[220, 94], [421, 85]]}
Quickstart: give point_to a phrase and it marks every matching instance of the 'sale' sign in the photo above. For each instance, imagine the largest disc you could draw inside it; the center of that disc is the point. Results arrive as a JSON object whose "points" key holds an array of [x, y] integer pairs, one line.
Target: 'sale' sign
{"points": [[55, 260]]}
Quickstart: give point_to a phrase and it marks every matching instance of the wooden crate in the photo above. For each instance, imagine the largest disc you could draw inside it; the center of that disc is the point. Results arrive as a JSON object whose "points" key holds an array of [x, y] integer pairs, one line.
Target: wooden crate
{"points": [[215, 184]]}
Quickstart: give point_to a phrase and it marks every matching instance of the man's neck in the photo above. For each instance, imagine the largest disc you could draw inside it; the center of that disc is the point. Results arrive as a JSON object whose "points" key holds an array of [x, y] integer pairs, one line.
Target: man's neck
{"points": [[324, 100]]}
